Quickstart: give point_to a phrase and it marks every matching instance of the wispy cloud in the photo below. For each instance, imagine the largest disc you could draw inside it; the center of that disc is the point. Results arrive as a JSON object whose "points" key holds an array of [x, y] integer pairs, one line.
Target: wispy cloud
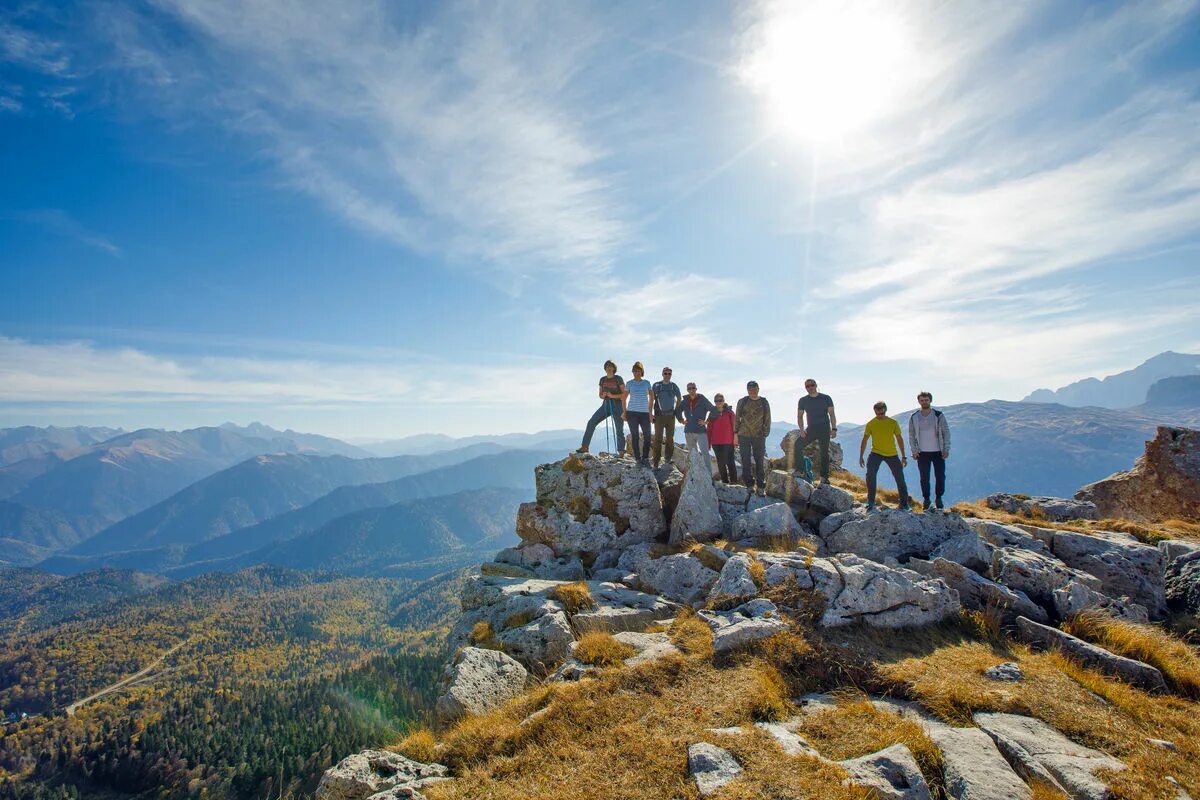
{"points": [[465, 133], [60, 223]]}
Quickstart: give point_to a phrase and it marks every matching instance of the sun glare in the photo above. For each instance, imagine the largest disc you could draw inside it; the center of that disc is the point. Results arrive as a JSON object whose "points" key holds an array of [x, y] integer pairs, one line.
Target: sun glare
{"points": [[829, 69]]}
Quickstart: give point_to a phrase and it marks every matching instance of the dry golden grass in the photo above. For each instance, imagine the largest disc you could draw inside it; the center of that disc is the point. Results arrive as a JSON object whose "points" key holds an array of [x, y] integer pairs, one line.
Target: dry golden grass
{"points": [[855, 728], [420, 745], [574, 596], [1146, 532], [691, 634], [602, 649], [483, 636], [858, 487], [1179, 664]]}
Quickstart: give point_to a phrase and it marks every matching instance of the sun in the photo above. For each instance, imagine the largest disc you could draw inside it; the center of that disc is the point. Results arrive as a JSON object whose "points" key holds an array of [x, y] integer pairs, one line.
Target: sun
{"points": [[829, 69]]}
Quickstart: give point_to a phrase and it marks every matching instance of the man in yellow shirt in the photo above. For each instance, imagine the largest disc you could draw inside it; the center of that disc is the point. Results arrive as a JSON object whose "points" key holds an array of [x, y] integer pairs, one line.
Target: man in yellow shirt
{"points": [[887, 447]]}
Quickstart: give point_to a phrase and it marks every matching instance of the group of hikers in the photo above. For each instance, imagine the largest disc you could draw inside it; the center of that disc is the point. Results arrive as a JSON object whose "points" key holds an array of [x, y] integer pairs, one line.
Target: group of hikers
{"points": [[746, 427]]}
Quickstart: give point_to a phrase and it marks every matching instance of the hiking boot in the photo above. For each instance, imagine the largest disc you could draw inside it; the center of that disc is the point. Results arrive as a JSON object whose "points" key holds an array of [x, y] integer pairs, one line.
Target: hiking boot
{"points": [[926, 505], [940, 507], [871, 508], [582, 449], [904, 506]]}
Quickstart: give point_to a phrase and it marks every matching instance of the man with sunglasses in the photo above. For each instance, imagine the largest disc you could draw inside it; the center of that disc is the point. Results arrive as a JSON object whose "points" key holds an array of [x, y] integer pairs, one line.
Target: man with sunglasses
{"points": [[822, 425], [666, 401]]}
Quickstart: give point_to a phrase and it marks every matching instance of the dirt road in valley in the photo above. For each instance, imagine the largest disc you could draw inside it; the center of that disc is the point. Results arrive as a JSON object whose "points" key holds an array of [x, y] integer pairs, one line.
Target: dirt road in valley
{"points": [[123, 682]]}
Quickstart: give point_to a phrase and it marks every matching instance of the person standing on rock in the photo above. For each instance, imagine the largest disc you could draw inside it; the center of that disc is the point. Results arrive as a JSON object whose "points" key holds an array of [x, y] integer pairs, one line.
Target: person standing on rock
{"points": [[693, 411], [666, 401], [612, 396], [929, 442], [721, 423], [753, 424], [639, 399], [887, 447], [821, 427]]}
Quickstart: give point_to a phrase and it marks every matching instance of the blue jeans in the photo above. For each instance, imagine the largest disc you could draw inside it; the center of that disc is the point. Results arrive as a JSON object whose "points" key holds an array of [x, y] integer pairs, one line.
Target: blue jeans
{"points": [[609, 408]]}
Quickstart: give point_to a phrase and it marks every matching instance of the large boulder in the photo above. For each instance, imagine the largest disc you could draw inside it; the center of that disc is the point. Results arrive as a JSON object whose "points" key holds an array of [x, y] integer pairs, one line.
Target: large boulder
{"points": [[364, 774], [977, 592], [478, 680], [788, 487], [1076, 597], [698, 515], [830, 499], [885, 597], [617, 608], [1090, 655], [889, 534], [681, 577], [774, 521], [1124, 566], [969, 550], [1163, 484], [735, 585], [998, 534], [1055, 509], [1183, 583], [891, 773], [973, 767], [589, 503], [788, 444], [1039, 752], [1036, 574], [749, 622]]}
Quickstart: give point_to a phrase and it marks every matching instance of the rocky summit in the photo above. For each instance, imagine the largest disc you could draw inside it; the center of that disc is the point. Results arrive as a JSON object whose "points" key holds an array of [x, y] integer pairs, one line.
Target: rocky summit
{"points": [[1163, 484], [617, 559]]}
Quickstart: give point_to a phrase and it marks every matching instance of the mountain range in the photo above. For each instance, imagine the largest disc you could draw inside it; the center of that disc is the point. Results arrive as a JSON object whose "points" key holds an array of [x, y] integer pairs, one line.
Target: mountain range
{"points": [[1124, 389]]}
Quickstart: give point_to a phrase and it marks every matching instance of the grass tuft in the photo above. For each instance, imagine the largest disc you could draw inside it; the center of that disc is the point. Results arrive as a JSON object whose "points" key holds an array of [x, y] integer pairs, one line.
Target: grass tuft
{"points": [[419, 745], [767, 696], [602, 649], [574, 596], [483, 636], [1178, 663], [691, 634]]}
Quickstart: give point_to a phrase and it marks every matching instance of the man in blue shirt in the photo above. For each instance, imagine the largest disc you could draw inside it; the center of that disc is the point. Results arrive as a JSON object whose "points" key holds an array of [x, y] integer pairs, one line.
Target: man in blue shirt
{"points": [[666, 400]]}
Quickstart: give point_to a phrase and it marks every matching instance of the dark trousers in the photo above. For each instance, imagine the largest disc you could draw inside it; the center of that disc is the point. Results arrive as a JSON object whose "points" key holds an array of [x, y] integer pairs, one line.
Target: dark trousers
{"points": [[664, 426], [821, 440], [725, 463], [639, 433], [893, 462], [754, 448], [924, 461], [609, 408]]}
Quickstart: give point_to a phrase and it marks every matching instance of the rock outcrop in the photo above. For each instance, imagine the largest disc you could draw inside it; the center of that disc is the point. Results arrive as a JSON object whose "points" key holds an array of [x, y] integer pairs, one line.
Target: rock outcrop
{"points": [[1163, 484], [478, 680], [1054, 509], [890, 773], [1183, 583], [711, 767], [371, 772], [889, 534], [1088, 654], [698, 514]]}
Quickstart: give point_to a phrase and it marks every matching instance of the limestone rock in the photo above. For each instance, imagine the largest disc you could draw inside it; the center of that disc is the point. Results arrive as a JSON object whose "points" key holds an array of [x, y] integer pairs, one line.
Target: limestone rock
{"points": [[698, 515], [890, 534], [1055, 509], [711, 767], [1009, 672], [891, 773], [978, 593], [1163, 484], [830, 499], [787, 444], [1075, 597], [1035, 574], [587, 503], [617, 608], [477, 681], [545, 640], [649, 646], [1038, 751], [792, 743], [1172, 549], [969, 550], [670, 486], [735, 584], [768, 521], [1125, 566], [364, 774], [882, 596], [733, 630], [681, 577], [1135, 672], [790, 488], [1000, 535], [1183, 583], [973, 767]]}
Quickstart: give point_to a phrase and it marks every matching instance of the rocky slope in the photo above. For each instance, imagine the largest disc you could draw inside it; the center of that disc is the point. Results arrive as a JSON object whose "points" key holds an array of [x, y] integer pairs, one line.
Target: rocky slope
{"points": [[1163, 484], [615, 558]]}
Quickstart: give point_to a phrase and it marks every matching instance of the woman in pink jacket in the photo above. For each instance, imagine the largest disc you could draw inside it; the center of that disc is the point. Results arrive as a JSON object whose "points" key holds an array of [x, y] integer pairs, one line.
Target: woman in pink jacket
{"points": [[722, 438]]}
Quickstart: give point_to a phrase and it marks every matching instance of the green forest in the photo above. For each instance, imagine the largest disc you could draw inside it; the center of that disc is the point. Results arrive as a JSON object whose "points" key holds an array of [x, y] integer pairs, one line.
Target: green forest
{"points": [[257, 682]]}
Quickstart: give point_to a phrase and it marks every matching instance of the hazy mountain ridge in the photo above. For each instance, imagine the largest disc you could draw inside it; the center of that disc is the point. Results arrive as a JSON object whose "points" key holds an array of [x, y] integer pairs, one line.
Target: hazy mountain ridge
{"points": [[32, 599], [27, 441], [1123, 389], [509, 470]]}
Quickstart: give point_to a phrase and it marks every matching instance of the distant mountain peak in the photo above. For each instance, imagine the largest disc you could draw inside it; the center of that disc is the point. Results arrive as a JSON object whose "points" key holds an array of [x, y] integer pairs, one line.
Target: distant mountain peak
{"points": [[1123, 389]]}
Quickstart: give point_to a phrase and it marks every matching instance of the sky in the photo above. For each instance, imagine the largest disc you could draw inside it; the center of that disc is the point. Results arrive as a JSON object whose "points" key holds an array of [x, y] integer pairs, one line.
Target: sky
{"points": [[375, 219]]}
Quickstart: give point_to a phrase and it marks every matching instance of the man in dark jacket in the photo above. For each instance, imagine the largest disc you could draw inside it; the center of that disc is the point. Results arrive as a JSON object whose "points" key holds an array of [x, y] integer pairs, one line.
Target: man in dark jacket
{"points": [[693, 411], [666, 400], [753, 424]]}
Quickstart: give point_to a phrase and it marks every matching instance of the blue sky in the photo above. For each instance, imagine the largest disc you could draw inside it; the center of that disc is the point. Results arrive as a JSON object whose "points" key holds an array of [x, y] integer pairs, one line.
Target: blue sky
{"points": [[375, 219]]}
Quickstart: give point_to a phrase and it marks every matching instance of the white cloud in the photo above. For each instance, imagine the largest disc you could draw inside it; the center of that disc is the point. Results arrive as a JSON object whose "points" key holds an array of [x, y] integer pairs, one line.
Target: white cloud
{"points": [[60, 223], [466, 133]]}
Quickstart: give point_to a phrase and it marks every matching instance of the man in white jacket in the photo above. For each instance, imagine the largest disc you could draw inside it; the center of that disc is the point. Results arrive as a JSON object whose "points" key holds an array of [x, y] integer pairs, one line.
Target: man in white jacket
{"points": [[929, 441]]}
